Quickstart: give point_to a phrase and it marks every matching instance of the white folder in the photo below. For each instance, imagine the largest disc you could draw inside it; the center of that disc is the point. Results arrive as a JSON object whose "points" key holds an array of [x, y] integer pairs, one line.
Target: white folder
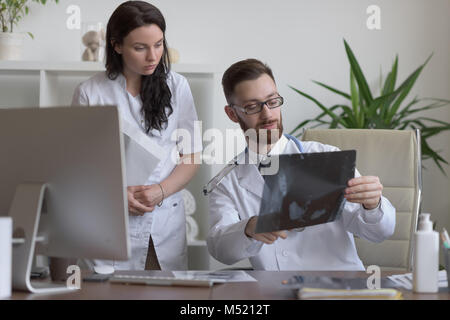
{"points": [[142, 154]]}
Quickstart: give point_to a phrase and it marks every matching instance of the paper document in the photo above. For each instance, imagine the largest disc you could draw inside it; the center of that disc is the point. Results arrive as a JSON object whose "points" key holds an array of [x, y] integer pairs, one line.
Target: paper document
{"points": [[142, 155], [406, 280], [325, 282], [307, 190]]}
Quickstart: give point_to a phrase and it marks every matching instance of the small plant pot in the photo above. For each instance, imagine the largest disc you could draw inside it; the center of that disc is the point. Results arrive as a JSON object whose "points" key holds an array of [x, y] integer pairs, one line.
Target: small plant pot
{"points": [[11, 45]]}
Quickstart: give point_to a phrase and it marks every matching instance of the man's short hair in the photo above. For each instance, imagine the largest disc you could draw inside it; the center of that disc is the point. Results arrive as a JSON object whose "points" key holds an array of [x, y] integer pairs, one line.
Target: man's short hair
{"points": [[249, 69]]}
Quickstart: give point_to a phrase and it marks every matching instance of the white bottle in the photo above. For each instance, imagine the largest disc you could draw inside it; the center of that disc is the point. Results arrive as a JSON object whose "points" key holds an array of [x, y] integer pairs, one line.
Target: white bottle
{"points": [[426, 256]]}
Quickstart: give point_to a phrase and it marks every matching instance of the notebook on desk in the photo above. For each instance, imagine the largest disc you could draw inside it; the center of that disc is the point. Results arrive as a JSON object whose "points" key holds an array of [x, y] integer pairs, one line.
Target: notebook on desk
{"points": [[320, 287], [352, 294]]}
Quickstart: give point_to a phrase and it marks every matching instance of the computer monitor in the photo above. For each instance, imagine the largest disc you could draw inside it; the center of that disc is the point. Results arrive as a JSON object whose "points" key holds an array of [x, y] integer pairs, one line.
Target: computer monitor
{"points": [[62, 179]]}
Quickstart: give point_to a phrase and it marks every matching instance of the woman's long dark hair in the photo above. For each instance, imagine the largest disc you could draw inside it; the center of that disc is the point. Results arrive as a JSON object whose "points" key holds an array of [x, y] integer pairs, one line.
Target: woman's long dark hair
{"points": [[155, 93]]}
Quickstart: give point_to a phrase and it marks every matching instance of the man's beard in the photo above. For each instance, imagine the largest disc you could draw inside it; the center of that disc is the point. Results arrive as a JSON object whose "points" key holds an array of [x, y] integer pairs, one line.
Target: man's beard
{"points": [[264, 137]]}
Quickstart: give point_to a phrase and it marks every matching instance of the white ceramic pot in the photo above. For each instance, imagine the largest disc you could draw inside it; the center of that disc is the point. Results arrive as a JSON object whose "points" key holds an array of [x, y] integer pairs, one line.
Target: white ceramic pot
{"points": [[11, 45]]}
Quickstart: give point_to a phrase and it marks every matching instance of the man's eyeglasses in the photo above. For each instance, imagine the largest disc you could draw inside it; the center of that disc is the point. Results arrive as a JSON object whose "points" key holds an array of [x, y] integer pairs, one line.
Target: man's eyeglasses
{"points": [[257, 107]]}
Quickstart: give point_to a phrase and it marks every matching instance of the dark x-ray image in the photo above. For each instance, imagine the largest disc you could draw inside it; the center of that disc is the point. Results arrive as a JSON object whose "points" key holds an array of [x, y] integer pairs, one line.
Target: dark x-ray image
{"points": [[307, 190]]}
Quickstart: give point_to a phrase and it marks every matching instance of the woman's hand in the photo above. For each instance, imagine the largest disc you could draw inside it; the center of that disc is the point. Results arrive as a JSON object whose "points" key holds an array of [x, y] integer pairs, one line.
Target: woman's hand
{"points": [[143, 199], [149, 196], [135, 207]]}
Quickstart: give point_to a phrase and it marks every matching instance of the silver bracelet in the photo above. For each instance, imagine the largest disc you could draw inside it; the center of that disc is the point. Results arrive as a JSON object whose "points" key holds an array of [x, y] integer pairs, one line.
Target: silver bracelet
{"points": [[162, 191]]}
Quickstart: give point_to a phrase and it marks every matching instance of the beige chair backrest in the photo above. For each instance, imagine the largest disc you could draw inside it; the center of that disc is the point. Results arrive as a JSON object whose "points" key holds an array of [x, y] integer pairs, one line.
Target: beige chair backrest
{"points": [[394, 156]]}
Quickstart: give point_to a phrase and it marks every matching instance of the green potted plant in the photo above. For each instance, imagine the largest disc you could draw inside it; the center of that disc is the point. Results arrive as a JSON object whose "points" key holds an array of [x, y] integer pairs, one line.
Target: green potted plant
{"points": [[11, 12], [387, 111]]}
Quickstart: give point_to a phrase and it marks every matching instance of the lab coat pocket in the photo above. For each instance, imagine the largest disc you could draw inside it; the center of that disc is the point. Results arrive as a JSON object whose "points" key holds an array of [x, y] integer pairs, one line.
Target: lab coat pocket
{"points": [[170, 220], [137, 227]]}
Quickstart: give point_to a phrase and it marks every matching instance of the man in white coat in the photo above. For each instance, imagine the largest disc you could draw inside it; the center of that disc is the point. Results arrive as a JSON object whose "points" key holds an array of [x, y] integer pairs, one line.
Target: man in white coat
{"points": [[254, 103]]}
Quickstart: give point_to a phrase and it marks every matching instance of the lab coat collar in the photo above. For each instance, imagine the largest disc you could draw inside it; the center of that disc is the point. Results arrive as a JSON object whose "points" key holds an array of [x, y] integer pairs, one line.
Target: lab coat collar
{"points": [[250, 178], [290, 147], [277, 148], [122, 82], [248, 175]]}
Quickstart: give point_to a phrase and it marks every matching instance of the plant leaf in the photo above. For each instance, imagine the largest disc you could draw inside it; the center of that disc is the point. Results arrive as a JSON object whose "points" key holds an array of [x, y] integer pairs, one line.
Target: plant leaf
{"points": [[325, 109], [345, 95], [350, 118], [427, 150], [360, 79], [316, 119], [355, 100], [406, 85], [389, 86], [407, 111]]}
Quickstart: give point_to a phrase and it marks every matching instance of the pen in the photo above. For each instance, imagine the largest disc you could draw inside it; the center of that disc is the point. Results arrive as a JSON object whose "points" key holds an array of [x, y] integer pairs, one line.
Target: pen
{"points": [[444, 242], [445, 239]]}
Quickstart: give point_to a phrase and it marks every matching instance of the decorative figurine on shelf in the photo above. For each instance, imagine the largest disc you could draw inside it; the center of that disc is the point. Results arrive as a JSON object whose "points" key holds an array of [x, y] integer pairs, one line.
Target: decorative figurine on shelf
{"points": [[174, 55], [92, 40], [189, 208]]}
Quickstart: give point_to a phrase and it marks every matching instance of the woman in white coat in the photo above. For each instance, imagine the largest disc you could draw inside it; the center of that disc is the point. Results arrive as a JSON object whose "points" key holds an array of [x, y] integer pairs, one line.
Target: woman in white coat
{"points": [[157, 101]]}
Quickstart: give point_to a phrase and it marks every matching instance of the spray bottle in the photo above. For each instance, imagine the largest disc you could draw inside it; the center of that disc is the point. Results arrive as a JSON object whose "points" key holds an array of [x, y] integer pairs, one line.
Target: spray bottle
{"points": [[426, 256]]}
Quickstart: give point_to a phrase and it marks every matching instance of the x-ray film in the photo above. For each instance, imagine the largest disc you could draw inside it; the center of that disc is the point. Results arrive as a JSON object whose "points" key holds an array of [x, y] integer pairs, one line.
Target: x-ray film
{"points": [[307, 190]]}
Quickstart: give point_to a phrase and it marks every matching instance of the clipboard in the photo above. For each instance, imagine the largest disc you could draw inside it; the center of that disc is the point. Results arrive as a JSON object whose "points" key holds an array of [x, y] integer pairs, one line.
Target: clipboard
{"points": [[307, 190]]}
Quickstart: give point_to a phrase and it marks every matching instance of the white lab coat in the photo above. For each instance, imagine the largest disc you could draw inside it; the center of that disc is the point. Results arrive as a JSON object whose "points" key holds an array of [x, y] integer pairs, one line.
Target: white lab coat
{"points": [[166, 224], [327, 246]]}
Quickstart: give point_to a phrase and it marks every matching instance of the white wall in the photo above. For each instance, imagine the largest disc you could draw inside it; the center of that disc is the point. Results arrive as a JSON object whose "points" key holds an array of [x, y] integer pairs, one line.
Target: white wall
{"points": [[300, 40]]}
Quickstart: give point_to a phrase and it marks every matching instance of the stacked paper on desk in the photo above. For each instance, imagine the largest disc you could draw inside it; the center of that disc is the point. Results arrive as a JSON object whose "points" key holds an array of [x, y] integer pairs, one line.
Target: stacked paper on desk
{"points": [[318, 293], [406, 280]]}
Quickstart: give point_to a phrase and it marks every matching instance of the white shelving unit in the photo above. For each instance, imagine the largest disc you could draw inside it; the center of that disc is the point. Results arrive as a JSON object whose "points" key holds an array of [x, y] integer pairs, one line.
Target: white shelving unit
{"points": [[47, 84], [53, 82]]}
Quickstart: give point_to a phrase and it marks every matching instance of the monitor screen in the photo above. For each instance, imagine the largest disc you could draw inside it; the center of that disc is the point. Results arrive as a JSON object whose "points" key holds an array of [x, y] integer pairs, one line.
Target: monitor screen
{"points": [[78, 153]]}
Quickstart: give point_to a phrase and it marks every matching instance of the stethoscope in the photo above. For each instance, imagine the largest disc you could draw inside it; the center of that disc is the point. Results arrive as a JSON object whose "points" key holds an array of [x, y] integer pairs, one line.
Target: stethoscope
{"points": [[217, 179]]}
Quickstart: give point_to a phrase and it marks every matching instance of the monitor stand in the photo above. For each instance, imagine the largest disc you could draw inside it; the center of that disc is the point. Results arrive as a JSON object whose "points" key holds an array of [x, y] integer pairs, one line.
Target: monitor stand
{"points": [[25, 212]]}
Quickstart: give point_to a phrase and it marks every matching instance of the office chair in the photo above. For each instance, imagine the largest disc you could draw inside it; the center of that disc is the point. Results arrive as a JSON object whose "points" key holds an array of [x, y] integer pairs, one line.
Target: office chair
{"points": [[395, 157]]}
